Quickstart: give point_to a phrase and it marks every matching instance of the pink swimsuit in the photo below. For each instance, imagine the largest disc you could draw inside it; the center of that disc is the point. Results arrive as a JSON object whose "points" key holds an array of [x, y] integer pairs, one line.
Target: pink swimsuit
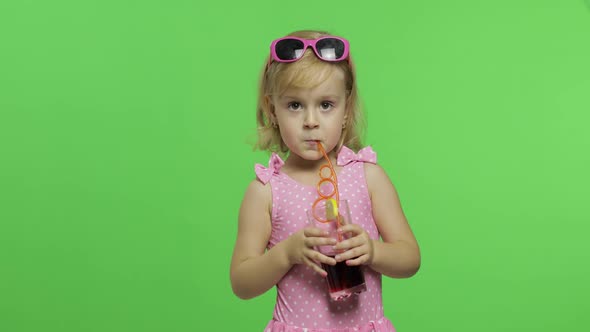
{"points": [[303, 303]]}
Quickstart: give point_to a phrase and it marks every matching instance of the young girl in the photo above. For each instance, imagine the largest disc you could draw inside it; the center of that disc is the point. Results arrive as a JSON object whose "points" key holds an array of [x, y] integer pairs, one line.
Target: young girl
{"points": [[308, 96]]}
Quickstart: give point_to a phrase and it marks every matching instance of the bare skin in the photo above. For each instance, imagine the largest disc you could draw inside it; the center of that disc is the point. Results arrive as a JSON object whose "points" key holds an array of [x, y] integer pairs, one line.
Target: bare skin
{"points": [[305, 115]]}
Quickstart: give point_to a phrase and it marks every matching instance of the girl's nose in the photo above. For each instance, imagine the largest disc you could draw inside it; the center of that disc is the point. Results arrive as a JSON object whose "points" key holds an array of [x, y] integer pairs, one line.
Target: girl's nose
{"points": [[311, 119]]}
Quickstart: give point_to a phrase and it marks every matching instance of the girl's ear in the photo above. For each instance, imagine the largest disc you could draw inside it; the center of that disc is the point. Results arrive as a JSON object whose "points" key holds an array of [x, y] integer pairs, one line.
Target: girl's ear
{"points": [[271, 111], [346, 111], [348, 105], [269, 103]]}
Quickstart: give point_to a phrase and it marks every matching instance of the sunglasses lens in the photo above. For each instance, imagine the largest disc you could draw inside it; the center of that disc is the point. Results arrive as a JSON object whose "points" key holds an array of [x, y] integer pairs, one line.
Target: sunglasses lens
{"points": [[289, 49], [330, 48]]}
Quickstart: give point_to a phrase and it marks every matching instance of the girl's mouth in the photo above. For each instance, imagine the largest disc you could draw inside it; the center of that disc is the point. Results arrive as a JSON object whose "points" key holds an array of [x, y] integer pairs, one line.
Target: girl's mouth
{"points": [[312, 142]]}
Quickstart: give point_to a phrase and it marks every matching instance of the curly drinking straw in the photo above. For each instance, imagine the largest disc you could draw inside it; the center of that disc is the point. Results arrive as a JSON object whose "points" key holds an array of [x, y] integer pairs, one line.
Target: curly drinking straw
{"points": [[331, 202]]}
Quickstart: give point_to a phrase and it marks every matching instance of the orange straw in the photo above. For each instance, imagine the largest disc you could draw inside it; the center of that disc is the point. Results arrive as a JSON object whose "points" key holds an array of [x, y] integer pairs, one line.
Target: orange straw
{"points": [[333, 180]]}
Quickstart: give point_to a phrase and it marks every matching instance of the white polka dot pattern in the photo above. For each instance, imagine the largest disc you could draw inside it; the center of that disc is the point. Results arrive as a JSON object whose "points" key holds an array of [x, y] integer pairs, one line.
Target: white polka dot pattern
{"points": [[302, 295]]}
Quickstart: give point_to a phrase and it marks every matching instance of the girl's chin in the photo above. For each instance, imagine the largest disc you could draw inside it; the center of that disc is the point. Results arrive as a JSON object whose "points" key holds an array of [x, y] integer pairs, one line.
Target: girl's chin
{"points": [[308, 154]]}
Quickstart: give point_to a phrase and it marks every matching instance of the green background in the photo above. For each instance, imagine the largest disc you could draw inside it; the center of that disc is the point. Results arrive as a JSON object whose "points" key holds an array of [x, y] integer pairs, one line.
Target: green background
{"points": [[125, 130]]}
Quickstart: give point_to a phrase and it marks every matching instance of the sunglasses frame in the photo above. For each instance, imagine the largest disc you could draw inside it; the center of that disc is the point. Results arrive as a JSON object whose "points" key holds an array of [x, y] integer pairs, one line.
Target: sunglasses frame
{"points": [[309, 43]]}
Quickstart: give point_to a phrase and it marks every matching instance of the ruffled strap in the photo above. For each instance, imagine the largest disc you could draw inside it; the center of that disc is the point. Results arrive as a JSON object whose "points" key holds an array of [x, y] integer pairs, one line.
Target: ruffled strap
{"points": [[347, 156], [265, 173]]}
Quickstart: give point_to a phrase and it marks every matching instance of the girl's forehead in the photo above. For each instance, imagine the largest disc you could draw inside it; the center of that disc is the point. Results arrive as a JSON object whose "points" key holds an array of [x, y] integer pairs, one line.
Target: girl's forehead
{"points": [[331, 84], [321, 91]]}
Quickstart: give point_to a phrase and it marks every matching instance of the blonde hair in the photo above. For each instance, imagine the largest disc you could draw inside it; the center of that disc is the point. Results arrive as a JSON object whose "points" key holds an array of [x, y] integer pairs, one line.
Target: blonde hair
{"points": [[307, 72]]}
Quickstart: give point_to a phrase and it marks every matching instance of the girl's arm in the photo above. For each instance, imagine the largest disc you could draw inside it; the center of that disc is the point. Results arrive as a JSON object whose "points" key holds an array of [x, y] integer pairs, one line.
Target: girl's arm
{"points": [[398, 254], [254, 271]]}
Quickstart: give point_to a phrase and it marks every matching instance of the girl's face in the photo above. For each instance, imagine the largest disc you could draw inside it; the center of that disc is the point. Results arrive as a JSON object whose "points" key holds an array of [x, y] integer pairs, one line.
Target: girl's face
{"points": [[308, 115]]}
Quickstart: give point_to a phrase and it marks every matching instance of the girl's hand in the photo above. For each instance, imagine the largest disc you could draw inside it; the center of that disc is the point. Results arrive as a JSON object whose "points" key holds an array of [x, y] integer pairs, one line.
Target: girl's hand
{"points": [[359, 248], [300, 248]]}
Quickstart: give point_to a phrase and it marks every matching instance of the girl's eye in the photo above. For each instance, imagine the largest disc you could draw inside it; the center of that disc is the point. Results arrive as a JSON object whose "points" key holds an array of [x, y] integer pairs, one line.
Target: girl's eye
{"points": [[326, 106], [294, 106]]}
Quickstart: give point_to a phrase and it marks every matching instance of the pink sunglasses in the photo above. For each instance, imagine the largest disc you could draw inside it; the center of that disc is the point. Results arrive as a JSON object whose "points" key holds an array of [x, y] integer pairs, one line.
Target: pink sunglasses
{"points": [[327, 48]]}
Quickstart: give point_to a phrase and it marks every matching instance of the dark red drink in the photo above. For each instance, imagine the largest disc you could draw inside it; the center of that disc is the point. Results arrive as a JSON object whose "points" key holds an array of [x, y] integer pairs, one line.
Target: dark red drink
{"points": [[344, 280]]}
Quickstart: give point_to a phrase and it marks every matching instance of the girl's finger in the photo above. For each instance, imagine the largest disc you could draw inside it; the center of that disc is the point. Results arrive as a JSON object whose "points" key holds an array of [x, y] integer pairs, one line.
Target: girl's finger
{"points": [[350, 243], [314, 232], [314, 266], [352, 228], [358, 261], [350, 254], [319, 257], [319, 241]]}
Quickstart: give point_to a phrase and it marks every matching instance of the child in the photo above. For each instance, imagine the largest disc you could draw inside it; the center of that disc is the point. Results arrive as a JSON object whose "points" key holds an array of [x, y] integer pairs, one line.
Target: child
{"points": [[308, 96]]}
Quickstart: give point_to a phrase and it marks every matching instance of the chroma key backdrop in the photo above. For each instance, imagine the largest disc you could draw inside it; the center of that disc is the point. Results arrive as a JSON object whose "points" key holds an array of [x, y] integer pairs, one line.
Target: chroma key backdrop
{"points": [[125, 151]]}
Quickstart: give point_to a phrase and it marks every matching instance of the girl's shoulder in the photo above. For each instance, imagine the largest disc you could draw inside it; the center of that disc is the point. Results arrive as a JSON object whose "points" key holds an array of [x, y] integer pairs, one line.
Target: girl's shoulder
{"points": [[375, 175], [257, 198]]}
